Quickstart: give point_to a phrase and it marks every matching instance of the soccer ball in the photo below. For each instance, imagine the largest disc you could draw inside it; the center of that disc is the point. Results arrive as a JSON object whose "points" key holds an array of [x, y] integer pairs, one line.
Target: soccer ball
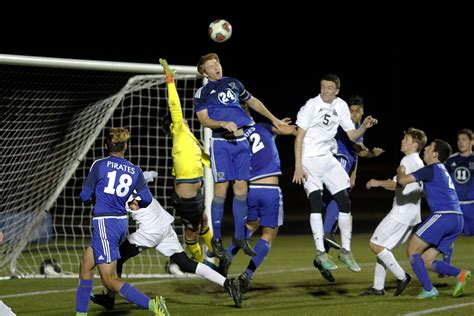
{"points": [[220, 31]]}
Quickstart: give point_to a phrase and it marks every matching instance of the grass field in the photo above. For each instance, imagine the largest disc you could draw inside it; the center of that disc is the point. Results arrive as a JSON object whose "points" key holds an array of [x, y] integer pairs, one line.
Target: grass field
{"points": [[285, 284]]}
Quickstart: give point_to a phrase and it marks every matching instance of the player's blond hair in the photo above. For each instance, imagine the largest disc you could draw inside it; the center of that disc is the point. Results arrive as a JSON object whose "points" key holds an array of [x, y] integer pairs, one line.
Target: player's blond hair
{"points": [[117, 139], [418, 137], [205, 58], [118, 135]]}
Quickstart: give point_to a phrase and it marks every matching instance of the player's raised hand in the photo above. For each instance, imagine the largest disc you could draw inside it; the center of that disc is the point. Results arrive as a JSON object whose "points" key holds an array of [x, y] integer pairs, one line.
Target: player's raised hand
{"points": [[169, 73], [150, 175], [369, 121], [377, 151]]}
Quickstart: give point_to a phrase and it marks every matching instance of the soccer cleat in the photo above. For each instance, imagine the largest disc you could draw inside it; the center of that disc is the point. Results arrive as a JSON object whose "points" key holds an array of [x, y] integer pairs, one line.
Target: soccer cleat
{"points": [[330, 240], [160, 307], [245, 245], [373, 292], [402, 284], [169, 73], [347, 258], [224, 265], [233, 288], [244, 282], [461, 281], [218, 248], [324, 272], [325, 260], [425, 295], [103, 299]]}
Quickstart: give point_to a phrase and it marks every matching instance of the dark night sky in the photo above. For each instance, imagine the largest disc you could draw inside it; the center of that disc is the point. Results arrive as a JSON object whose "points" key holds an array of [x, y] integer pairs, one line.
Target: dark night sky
{"points": [[280, 58]]}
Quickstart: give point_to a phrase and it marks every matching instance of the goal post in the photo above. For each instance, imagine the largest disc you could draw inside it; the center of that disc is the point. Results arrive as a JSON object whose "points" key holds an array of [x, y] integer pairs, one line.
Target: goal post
{"points": [[54, 116]]}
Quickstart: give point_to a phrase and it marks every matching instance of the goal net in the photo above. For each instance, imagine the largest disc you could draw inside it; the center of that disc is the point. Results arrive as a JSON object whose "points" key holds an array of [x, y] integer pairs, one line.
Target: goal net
{"points": [[55, 113]]}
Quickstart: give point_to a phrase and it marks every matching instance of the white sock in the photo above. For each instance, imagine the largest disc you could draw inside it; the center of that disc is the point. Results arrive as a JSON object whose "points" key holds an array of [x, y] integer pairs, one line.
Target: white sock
{"points": [[209, 274], [387, 257], [379, 276], [316, 221], [345, 225]]}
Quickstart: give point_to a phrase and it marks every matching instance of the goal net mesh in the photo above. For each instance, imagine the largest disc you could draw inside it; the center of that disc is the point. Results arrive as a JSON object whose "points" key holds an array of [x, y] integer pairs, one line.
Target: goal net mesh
{"points": [[53, 128]]}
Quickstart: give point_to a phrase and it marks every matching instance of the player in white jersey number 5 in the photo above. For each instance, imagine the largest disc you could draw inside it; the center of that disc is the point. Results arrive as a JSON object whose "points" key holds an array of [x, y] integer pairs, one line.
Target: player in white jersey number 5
{"points": [[316, 166]]}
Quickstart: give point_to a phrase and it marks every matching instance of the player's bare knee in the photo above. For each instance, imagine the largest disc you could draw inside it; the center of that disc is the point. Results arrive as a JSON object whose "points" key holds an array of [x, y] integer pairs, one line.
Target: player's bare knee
{"points": [[376, 249], [252, 225], [191, 234], [269, 234]]}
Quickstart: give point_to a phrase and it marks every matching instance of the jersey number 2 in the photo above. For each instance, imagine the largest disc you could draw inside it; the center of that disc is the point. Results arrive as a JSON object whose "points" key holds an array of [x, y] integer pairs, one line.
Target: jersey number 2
{"points": [[257, 144], [125, 181]]}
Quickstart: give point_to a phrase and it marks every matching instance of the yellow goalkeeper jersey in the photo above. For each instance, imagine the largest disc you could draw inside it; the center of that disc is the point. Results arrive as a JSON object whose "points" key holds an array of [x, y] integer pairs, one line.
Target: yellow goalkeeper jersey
{"points": [[189, 154]]}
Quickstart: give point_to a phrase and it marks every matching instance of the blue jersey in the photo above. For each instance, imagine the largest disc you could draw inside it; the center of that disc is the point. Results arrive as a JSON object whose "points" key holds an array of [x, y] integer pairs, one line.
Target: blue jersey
{"points": [[461, 170], [265, 161], [221, 98], [346, 148], [112, 180], [439, 188]]}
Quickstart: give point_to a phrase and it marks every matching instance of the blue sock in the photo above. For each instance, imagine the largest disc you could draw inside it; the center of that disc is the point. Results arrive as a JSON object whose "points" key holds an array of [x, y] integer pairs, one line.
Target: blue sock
{"points": [[447, 256], [133, 295], [444, 268], [83, 292], [240, 210], [332, 213], [233, 250], [261, 248], [217, 212], [418, 266]]}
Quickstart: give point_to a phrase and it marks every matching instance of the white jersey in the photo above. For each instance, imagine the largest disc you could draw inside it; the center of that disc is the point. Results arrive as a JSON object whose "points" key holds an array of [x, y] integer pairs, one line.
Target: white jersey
{"points": [[320, 120], [406, 203], [152, 217], [155, 230]]}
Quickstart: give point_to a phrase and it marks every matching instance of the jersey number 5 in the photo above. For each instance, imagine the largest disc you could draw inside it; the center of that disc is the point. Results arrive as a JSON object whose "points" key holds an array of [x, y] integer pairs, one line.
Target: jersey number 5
{"points": [[125, 181]]}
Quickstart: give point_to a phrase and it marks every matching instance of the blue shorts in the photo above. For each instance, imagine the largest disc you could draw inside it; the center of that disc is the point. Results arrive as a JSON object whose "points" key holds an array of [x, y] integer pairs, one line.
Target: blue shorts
{"points": [[468, 213], [265, 202], [440, 230], [107, 234], [230, 159]]}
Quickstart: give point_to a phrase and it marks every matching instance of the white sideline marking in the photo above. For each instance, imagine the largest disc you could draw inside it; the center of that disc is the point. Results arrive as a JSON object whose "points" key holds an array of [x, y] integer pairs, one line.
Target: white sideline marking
{"points": [[439, 309], [139, 283]]}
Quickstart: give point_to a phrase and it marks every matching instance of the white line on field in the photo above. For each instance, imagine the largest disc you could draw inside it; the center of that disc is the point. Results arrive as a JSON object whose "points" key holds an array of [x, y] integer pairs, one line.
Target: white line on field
{"points": [[439, 309]]}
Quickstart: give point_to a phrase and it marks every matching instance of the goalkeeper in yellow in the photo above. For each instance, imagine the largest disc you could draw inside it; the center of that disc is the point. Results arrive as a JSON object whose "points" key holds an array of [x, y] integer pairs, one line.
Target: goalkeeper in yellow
{"points": [[189, 158]]}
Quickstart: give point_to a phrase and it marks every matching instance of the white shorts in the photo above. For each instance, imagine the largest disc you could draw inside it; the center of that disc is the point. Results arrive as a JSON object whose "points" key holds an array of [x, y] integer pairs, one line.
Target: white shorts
{"points": [[324, 170], [391, 233], [164, 239]]}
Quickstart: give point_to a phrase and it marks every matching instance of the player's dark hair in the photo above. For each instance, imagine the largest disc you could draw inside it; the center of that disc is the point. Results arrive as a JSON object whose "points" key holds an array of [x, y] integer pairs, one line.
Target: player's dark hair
{"points": [[443, 149], [356, 100], [467, 132], [332, 77], [166, 124]]}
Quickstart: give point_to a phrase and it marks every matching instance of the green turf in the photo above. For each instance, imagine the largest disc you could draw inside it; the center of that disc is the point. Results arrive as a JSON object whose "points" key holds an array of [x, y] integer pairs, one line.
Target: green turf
{"points": [[286, 284]]}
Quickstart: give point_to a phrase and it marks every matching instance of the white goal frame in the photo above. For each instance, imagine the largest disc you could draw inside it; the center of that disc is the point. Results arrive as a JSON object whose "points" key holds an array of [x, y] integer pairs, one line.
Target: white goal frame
{"points": [[147, 71]]}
